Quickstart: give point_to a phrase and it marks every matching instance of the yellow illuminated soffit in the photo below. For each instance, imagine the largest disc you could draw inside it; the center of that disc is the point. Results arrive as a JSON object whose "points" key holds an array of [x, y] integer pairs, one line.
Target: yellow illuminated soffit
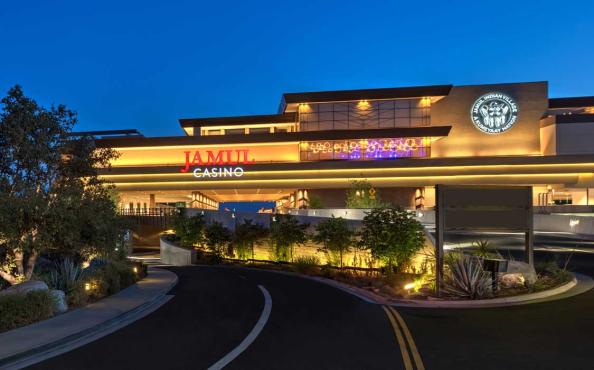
{"points": [[434, 179], [383, 169], [186, 146], [189, 131]]}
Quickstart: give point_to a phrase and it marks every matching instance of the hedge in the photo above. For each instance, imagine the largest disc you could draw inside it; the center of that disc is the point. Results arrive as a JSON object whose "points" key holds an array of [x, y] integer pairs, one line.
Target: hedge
{"points": [[112, 277], [23, 309]]}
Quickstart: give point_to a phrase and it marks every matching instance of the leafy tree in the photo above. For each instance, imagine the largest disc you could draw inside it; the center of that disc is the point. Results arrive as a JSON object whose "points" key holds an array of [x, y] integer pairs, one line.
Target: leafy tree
{"points": [[363, 195], [315, 202], [83, 220], [335, 236], [217, 237], [51, 197], [391, 235], [189, 230], [286, 232], [247, 235]]}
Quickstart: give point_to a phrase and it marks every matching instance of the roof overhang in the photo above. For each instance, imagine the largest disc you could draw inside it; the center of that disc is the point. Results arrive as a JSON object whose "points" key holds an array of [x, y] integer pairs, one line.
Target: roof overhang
{"points": [[574, 102], [290, 101], [238, 120]]}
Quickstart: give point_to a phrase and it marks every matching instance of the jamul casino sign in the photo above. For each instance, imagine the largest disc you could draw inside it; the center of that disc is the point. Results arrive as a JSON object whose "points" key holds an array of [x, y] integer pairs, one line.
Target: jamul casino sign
{"points": [[224, 157]]}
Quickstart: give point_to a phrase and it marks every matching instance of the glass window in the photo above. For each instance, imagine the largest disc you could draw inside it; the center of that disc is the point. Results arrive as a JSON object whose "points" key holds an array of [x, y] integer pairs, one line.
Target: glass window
{"points": [[326, 125], [341, 107], [235, 131], [402, 122], [261, 130], [358, 115], [386, 105], [326, 116]]}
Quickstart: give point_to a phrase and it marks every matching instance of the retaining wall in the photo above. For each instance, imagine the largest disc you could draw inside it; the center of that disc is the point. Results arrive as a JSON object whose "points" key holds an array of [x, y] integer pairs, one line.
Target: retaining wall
{"points": [[172, 254]]}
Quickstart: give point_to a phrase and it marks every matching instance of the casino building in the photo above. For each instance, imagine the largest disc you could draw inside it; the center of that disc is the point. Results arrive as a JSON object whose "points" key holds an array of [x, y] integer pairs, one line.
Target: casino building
{"points": [[402, 140]]}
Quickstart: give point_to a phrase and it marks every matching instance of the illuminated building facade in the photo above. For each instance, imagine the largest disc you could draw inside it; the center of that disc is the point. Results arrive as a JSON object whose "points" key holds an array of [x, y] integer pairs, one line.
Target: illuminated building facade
{"points": [[402, 140]]}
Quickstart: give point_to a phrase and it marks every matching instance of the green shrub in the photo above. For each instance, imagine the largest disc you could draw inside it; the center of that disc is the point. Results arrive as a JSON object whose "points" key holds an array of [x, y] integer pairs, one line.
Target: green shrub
{"points": [[465, 278], [110, 278], [207, 258], [189, 230], [336, 237], [547, 267], [392, 236], [285, 233], [20, 310], [363, 195], [483, 249], [327, 271], [78, 296], [66, 276], [217, 236], [246, 235], [549, 273], [306, 264]]}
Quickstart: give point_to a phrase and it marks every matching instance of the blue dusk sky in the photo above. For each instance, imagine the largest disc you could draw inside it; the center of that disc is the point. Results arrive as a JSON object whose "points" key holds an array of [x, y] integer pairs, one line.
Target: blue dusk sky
{"points": [[144, 64]]}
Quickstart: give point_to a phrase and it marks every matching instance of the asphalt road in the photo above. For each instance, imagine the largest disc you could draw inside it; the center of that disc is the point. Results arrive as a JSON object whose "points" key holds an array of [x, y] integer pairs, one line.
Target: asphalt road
{"points": [[314, 326]]}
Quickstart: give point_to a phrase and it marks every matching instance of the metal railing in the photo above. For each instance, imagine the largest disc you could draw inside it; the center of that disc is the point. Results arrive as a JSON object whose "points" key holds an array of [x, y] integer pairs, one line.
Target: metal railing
{"points": [[150, 216], [148, 211]]}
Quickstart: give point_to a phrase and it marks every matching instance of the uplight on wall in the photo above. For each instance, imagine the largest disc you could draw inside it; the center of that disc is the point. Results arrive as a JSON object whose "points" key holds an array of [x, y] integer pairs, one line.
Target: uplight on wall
{"points": [[363, 105], [304, 108], [425, 102]]}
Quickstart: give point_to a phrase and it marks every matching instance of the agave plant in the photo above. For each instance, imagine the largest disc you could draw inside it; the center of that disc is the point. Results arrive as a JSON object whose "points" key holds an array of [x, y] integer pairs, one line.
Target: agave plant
{"points": [[466, 278], [66, 275], [483, 249]]}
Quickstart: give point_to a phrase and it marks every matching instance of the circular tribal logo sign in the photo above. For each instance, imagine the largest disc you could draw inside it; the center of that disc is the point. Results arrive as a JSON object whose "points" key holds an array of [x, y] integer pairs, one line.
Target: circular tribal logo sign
{"points": [[494, 113]]}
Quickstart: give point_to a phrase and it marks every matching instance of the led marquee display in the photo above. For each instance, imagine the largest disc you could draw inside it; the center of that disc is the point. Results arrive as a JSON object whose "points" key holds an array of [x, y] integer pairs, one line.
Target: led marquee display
{"points": [[366, 149]]}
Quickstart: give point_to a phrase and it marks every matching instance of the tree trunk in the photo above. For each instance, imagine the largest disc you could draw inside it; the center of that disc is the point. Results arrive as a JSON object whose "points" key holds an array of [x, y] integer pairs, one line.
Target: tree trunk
{"points": [[8, 277], [18, 258], [30, 265]]}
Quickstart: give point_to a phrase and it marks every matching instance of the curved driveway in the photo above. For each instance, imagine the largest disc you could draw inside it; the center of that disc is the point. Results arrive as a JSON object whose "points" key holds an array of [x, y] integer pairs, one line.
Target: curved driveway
{"points": [[314, 326]]}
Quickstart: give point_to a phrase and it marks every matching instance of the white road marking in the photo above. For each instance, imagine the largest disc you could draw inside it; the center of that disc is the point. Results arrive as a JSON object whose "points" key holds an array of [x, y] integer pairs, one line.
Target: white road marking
{"points": [[251, 336]]}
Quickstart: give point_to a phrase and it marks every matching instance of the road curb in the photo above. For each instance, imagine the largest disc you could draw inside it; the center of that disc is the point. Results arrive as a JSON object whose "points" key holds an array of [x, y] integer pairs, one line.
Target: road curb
{"points": [[578, 285], [69, 342], [557, 293]]}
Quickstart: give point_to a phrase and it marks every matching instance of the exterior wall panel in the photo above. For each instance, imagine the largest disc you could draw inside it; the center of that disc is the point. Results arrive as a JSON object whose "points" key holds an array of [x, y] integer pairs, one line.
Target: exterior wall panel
{"points": [[465, 140]]}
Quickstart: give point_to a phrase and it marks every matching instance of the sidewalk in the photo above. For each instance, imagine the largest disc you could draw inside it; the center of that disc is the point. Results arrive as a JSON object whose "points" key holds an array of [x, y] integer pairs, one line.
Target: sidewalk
{"points": [[30, 344]]}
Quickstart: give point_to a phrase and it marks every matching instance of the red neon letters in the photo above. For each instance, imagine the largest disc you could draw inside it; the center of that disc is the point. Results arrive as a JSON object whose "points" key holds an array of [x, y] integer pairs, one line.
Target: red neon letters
{"points": [[216, 157]]}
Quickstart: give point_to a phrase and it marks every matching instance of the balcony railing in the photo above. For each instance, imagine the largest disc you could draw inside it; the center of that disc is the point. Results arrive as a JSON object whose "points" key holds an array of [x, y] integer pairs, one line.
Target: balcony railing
{"points": [[160, 212]]}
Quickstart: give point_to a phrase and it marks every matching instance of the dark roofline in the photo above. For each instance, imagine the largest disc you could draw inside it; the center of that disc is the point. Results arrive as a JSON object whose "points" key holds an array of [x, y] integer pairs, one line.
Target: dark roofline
{"points": [[128, 132], [426, 131], [364, 94], [573, 102], [238, 120], [574, 118]]}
